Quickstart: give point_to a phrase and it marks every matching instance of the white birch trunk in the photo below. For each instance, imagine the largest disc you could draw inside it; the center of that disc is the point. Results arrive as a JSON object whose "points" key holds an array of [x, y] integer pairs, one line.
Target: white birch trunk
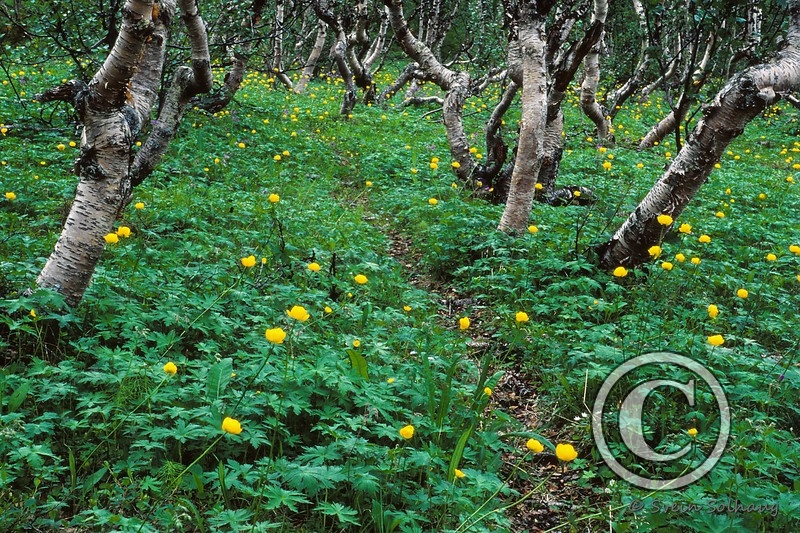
{"points": [[113, 107], [534, 116], [313, 57]]}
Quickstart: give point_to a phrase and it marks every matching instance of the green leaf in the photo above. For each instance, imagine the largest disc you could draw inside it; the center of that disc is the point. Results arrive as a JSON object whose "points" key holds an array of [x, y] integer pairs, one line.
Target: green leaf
{"points": [[359, 363], [218, 378], [18, 396], [458, 451]]}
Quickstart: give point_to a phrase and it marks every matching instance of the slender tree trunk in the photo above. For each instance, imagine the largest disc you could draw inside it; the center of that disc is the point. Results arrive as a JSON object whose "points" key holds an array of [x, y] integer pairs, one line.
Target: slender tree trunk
{"points": [[239, 60], [405, 76], [620, 96], [591, 77], [313, 57], [455, 84], [534, 116], [277, 46], [743, 98], [113, 108]]}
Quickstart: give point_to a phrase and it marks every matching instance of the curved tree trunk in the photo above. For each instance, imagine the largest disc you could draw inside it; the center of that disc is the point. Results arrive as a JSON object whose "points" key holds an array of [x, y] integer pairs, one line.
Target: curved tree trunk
{"points": [[113, 108], [534, 117], [277, 46], [313, 57], [589, 103], [239, 60], [743, 98], [616, 99], [455, 84], [591, 77]]}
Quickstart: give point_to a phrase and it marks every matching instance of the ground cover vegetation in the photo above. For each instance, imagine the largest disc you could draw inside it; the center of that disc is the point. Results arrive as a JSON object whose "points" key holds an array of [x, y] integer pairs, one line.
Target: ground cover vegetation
{"points": [[305, 321]]}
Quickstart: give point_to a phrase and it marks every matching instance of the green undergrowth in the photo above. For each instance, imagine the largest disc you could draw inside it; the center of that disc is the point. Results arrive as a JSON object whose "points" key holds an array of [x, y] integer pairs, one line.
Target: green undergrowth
{"points": [[98, 436]]}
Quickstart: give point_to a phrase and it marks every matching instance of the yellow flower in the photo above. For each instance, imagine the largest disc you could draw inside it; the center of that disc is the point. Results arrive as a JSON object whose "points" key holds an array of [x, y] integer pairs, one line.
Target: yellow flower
{"points": [[719, 214], [406, 308], [620, 272], [576, 194], [771, 257], [692, 432], [314, 267], [249, 261], [361, 279], [666, 265], [298, 312], [286, 153], [607, 165], [433, 201], [231, 425], [275, 335], [532, 229], [458, 473], [716, 340], [713, 311], [521, 316], [356, 343], [434, 166], [794, 249], [463, 322], [139, 205], [566, 452], [534, 445], [717, 166], [124, 231], [434, 159], [170, 368], [685, 228], [487, 391], [742, 293], [680, 258], [368, 183], [10, 196], [276, 157], [664, 220], [60, 147], [639, 165], [407, 432], [538, 186], [328, 309], [33, 313], [762, 196], [654, 251], [111, 238], [695, 260], [241, 145], [274, 198], [455, 164], [704, 238], [390, 380]]}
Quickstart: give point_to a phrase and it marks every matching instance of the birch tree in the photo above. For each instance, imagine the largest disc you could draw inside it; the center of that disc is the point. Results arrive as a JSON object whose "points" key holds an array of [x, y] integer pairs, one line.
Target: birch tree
{"points": [[114, 107], [744, 97]]}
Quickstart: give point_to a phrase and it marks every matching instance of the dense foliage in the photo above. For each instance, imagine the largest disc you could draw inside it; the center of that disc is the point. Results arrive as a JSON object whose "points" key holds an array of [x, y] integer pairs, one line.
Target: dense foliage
{"points": [[277, 202]]}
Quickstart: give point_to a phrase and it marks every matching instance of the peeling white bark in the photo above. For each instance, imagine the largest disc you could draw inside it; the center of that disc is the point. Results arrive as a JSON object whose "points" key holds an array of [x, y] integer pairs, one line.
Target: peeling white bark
{"points": [[113, 107], [534, 116]]}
